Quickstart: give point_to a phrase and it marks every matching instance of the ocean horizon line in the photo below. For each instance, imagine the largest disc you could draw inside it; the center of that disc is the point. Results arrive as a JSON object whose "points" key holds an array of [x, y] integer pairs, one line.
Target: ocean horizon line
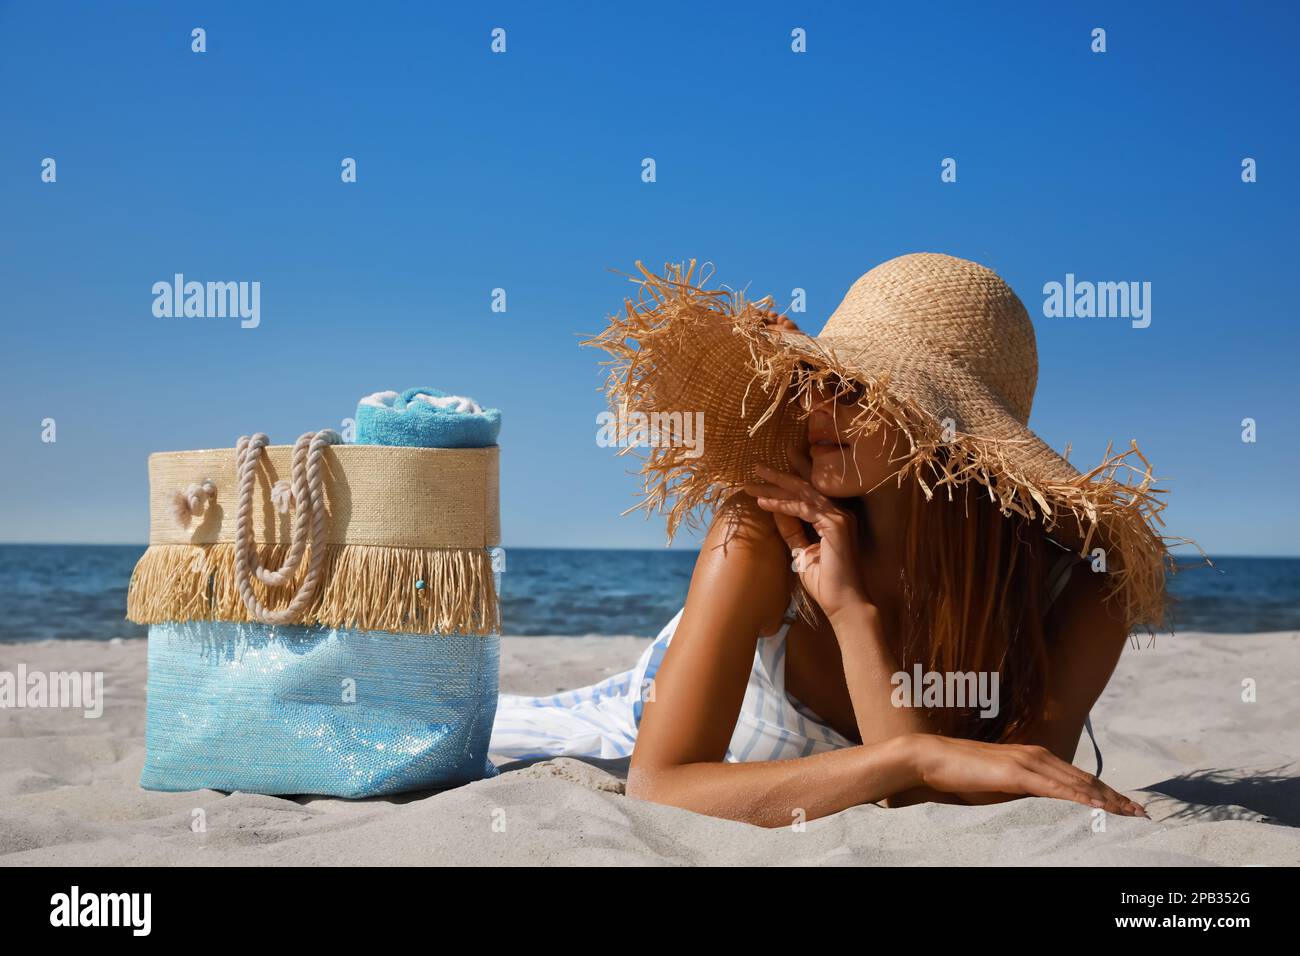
{"points": [[565, 547]]}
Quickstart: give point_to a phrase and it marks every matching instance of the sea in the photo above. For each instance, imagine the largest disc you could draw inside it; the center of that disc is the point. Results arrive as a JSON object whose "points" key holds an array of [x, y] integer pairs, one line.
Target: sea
{"points": [[67, 592]]}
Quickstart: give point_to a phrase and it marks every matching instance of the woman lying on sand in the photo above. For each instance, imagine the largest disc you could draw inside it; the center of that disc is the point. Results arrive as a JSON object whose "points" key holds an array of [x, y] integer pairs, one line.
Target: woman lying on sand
{"points": [[904, 595]]}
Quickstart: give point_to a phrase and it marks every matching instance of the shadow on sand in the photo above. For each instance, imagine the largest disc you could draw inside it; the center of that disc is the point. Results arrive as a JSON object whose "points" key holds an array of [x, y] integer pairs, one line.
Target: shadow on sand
{"points": [[1213, 794]]}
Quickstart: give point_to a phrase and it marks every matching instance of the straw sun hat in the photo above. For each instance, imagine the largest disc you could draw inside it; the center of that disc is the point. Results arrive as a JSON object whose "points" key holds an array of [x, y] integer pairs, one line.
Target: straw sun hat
{"points": [[939, 347]]}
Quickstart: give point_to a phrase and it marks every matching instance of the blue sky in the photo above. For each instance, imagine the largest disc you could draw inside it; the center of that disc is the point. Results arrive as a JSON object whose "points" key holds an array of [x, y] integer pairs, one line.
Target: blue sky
{"points": [[523, 171]]}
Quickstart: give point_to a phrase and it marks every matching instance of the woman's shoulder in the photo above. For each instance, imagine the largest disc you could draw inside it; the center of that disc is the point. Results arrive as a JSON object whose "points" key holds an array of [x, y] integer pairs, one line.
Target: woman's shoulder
{"points": [[741, 524], [1075, 588], [743, 556]]}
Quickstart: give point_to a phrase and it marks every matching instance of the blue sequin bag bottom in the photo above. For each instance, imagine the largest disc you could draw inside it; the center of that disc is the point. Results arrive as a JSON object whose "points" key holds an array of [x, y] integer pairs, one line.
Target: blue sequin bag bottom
{"points": [[297, 710]]}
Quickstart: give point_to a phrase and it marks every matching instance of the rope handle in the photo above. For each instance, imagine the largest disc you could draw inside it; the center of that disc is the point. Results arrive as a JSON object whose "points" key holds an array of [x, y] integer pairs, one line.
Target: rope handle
{"points": [[307, 495]]}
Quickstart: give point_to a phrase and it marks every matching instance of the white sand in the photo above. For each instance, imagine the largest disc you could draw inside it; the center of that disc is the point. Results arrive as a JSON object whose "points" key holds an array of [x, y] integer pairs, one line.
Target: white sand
{"points": [[1219, 777]]}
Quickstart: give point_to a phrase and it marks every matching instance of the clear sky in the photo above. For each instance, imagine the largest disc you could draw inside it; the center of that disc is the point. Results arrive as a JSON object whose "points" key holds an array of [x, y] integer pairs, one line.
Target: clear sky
{"points": [[523, 171]]}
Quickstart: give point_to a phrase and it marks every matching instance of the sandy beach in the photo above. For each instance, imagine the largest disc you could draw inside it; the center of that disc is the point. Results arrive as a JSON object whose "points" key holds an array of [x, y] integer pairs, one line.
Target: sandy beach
{"points": [[1218, 775]]}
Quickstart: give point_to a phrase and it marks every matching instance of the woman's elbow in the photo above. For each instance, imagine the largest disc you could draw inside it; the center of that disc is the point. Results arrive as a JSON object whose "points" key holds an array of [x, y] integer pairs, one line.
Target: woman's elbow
{"points": [[648, 784], [666, 787]]}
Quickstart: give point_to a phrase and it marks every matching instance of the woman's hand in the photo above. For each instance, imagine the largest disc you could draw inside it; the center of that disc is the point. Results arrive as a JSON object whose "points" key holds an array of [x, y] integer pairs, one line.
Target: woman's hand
{"points": [[782, 323], [969, 767], [829, 567]]}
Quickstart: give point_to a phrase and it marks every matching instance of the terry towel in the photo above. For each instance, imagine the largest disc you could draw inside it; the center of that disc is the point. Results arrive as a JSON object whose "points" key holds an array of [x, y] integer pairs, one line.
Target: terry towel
{"points": [[426, 418]]}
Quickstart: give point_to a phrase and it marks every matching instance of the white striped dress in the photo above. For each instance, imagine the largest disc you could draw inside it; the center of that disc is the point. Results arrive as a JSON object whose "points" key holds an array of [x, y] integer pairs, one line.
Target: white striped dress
{"points": [[601, 720]]}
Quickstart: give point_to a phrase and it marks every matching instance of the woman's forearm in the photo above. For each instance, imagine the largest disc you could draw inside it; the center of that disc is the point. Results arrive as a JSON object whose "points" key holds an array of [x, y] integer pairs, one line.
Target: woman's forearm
{"points": [[869, 667], [777, 793]]}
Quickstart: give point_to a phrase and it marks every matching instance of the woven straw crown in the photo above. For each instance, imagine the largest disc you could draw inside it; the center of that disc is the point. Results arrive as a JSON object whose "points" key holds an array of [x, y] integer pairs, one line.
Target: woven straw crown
{"points": [[915, 308], [941, 349]]}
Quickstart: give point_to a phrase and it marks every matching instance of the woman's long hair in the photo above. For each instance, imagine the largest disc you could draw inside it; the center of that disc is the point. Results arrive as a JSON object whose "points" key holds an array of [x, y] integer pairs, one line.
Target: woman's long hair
{"points": [[974, 600]]}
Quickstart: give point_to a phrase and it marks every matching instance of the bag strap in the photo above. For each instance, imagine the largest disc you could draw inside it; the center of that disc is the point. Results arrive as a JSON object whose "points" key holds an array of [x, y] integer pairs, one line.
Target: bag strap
{"points": [[309, 524]]}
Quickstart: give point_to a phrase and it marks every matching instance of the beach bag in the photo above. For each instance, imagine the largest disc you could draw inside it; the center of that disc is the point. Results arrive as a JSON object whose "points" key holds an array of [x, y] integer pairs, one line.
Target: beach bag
{"points": [[323, 617]]}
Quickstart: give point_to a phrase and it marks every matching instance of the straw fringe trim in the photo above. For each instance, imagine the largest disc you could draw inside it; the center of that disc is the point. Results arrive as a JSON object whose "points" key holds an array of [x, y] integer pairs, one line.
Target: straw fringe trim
{"points": [[364, 587], [1119, 515]]}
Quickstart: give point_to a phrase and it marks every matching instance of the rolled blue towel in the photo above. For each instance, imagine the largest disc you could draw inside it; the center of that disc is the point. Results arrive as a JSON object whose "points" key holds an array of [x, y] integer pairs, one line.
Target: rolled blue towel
{"points": [[426, 418]]}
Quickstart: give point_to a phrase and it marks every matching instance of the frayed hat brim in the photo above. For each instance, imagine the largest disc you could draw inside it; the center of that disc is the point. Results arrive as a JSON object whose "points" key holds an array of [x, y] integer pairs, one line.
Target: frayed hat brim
{"points": [[680, 349]]}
